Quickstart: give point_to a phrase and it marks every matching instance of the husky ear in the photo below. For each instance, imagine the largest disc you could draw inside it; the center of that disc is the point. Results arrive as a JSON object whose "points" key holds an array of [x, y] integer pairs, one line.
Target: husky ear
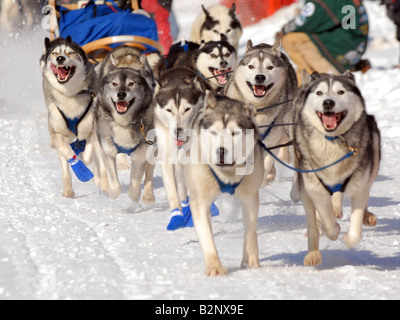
{"points": [[112, 67], [232, 10], [276, 48], [250, 46], [315, 76], [114, 61], [306, 78], [206, 12], [142, 59], [190, 79], [349, 76], [69, 39], [47, 43], [210, 101]]}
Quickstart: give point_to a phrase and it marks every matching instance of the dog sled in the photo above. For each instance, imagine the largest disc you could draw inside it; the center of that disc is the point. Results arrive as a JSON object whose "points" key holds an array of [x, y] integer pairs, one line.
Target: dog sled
{"points": [[101, 25]]}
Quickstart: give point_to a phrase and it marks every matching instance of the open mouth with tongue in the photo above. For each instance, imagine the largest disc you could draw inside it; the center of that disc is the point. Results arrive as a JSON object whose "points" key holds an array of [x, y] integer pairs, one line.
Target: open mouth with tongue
{"points": [[331, 121], [63, 73], [222, 75], [260, 91], [123, 106]]}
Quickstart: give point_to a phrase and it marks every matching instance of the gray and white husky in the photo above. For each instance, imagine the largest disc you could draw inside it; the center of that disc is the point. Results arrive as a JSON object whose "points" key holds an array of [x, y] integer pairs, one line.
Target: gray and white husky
{"points": [[123, 118], [264, 78], [228, 142], [68, 86], [178, 98], [332, 124], [214, 22], [214, 61]]}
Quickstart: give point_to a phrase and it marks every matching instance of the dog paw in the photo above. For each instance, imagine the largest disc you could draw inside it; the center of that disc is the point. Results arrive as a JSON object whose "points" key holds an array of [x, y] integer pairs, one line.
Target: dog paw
{"points": [[338, 213], [334, 234], [215, 268], [114, 193], [313, 258], [148, 198], [370, 219], [134, 194], [351, 241], [251, 263], [68, 193]]}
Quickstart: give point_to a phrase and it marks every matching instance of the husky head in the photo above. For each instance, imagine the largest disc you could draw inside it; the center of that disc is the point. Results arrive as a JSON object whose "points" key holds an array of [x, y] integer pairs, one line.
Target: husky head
{"points": [[332, 104], [178, 98], [229, 132], [261, 74], [216, 59], [65, 65], [125, 91], [220, 20]]}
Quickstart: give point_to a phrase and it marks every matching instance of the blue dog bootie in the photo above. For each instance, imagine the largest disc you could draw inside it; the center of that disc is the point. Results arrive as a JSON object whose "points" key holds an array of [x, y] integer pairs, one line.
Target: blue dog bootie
{"points": [[214, 210], [187, 212], [177, 221], [81, 171]]}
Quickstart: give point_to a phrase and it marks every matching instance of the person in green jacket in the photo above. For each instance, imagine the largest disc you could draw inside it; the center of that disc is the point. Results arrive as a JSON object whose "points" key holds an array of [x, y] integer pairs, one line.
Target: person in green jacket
{"points": [[328, 36]]}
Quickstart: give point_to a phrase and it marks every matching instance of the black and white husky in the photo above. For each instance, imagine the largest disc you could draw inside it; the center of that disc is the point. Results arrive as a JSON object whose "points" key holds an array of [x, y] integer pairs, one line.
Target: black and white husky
{"points": [[68, 86], [332, 124], [214, 22]]}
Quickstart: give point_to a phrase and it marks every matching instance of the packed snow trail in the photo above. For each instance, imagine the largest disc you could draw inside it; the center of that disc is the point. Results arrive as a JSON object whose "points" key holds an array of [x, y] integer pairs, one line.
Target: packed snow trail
{"points": [[92, 247]]}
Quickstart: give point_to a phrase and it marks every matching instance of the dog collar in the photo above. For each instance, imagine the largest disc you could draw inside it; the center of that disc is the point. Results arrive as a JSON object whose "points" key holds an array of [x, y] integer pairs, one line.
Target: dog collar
{"points": [[331, 138], [226, 187]]}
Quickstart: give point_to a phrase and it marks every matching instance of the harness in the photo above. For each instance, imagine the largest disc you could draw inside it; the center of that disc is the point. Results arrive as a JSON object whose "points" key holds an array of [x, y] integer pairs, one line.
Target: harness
{"points": [[78, 146], [226, 187], [126, 150]]}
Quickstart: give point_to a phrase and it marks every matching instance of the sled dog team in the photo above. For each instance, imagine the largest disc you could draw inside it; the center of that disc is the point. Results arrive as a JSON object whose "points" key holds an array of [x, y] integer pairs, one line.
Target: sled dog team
{"points": [[234, 120]]}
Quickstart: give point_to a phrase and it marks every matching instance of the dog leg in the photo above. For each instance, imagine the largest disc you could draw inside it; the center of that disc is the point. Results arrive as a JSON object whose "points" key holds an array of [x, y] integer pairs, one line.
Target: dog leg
{"points": [[337, 202], [100, 174], [202, 223], [181, 185], [358, 203], [122, 162], [148, 191], [250, 207], [66, 177], [137, 172], [114, 187], [323, 204], [313, 256], [170, 186]]}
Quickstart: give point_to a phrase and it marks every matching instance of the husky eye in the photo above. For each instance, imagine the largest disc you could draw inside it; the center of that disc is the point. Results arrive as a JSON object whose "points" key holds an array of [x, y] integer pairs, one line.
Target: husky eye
{"points": [[341, 92], [214, 56], [228, 55], [131, 84], [251, 67], [54, 53], [215, 31], [71, 53], [168, 110], [115, 84], [229, 30], [187, 110], [271, 68], [319, 93]]}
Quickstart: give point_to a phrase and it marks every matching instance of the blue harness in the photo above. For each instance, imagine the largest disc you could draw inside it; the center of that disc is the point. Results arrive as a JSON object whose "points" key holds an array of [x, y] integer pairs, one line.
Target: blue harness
{"points": [[226, 187], [124, 150]]}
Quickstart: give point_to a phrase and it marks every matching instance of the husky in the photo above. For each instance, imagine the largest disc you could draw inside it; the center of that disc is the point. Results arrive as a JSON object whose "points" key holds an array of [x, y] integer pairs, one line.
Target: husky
{"points": [[214, 22], [178, 98], [214, 61], [128, 57], [227, 168], [68, 85], [265, 78], [332, 124], [123, 118]]}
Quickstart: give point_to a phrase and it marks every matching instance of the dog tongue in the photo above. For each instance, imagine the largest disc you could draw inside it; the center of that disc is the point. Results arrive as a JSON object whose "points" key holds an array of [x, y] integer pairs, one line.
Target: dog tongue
{"points": [[259, 90], [329, 120], [221, 77], [122, 106], [62, 72]]}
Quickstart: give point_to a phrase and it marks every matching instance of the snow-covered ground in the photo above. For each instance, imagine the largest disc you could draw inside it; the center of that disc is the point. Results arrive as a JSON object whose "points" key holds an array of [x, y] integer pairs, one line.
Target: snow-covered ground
{"points": [[92, 247]]}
